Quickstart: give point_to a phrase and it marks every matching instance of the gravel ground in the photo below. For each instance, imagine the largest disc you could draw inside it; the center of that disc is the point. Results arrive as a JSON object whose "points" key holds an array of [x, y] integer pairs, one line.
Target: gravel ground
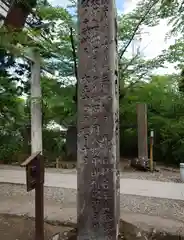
{"points": [[162, 175], [66, 199], [60, 203], [24, 228], [147, 213]]}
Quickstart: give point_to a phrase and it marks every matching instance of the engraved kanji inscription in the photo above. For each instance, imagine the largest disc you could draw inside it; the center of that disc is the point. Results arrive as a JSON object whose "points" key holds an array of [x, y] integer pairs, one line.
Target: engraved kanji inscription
{"points": [[98, 121]]}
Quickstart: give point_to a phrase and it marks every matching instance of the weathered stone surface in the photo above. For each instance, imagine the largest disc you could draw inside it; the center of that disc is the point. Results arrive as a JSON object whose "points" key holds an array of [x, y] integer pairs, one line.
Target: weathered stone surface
{"points": [[98, 130], [142, 134]]}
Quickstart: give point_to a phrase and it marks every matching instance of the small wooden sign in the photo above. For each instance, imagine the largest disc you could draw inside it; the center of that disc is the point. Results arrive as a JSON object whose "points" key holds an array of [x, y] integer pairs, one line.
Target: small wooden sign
{"points": [[34, 170], [31, 175]]}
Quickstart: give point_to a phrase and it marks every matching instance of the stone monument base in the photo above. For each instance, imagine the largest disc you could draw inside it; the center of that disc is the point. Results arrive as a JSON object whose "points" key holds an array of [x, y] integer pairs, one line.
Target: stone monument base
{"points": [[142, 165], [128, 231]]}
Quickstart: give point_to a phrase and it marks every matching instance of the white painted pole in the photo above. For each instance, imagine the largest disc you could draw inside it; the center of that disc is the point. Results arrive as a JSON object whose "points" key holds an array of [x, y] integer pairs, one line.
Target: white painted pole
{"points": [[36, 106]]}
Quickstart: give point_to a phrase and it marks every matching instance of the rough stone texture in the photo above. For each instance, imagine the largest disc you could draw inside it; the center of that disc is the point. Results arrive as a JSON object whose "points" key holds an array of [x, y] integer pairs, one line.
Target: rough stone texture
{"points": [[117, 127], [97, 122]]}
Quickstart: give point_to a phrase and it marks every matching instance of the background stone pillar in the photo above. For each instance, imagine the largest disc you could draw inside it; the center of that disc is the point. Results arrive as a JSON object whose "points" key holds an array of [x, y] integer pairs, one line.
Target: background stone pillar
{"points": [[142, 134], [98, 122], [71, 143]]}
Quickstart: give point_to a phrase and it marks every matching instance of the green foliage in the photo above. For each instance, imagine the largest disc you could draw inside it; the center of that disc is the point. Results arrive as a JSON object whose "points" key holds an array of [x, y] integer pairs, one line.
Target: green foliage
{"points": [[58, 103], [57, 43], [53, 144], [165, 116]]}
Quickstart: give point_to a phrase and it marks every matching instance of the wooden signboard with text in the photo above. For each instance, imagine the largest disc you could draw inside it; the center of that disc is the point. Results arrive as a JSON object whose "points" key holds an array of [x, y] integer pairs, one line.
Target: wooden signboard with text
{"points": [[34, 170]]}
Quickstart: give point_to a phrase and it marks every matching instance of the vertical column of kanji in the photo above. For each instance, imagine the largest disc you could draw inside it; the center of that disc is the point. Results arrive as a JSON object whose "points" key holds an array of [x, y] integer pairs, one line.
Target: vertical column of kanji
{"points": [[98, 130], [117, 124]]}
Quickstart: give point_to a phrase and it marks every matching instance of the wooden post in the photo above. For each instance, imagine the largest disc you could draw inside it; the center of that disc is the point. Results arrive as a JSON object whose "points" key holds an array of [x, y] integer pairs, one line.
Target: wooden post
{"points": [[35, 180], [39, 204], [36, 99], [36, 142], [142, 134], [98, 123]]}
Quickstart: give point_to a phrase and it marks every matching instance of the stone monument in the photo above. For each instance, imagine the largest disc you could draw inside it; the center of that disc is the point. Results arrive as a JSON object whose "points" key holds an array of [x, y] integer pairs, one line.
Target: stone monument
{"points": [[98, 122], [142, 135]]}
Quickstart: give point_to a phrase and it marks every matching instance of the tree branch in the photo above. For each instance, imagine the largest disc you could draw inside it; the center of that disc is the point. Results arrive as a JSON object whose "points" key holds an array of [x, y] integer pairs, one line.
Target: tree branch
{"points": [[75, 61], [73, 53], [137, 27], [129, 63]]}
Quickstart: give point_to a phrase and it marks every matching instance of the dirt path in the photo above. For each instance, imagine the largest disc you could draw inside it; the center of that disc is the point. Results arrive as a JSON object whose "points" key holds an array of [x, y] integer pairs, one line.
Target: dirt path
{"points": [[23, 228], [164, 174], [128, 186]]}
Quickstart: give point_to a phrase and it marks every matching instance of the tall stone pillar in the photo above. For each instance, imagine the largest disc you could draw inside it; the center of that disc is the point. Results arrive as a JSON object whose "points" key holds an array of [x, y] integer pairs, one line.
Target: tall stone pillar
{"points": [[98, 122], [142, 134]]}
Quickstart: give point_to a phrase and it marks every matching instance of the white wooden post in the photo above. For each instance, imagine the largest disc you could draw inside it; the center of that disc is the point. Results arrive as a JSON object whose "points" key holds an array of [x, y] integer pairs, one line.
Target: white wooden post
{"points": [[36, 99]]}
